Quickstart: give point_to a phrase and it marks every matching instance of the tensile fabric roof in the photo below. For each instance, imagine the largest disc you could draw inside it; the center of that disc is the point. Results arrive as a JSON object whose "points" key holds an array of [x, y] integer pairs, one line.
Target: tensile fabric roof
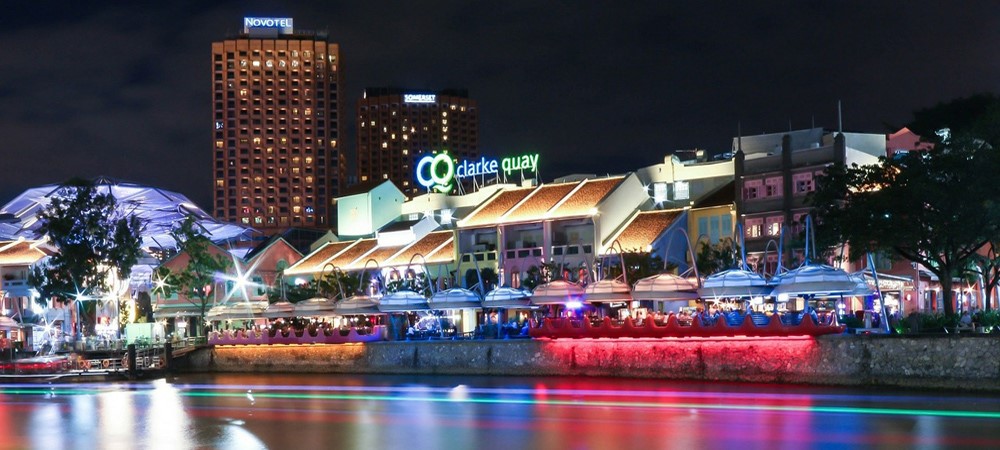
{"points": [[160, 210]]}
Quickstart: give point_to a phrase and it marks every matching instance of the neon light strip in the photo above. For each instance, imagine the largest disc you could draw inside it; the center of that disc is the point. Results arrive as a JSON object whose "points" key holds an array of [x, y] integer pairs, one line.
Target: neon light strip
{"points": [[548, 402]]}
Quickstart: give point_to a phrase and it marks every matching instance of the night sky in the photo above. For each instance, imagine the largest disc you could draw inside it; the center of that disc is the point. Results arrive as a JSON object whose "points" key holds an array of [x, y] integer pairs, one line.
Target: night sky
{"points": [[124, 91]]}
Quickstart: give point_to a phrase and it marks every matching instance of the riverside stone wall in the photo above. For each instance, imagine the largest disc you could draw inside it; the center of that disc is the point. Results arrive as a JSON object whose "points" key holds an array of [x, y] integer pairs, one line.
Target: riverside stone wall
{"points": [[964, 362]]}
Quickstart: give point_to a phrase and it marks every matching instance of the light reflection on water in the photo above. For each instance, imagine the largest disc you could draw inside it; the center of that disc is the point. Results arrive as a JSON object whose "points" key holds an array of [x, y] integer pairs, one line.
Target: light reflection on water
{"points": [[371, 412]]}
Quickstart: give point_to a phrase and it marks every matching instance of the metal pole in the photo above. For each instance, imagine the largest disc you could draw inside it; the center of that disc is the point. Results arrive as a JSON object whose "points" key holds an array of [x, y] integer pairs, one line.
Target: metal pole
{"points": [[885, 319]]}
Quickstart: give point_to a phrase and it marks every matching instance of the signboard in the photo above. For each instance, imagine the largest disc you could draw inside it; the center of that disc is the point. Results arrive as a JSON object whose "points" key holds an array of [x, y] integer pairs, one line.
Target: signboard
{"points": [[282, 24], [419, 98], [438, 172]]}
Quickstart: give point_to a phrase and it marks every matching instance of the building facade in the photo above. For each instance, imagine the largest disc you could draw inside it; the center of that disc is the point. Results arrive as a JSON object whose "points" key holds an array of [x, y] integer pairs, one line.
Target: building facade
{"points": [[774, 174], [396, 127], [277, 116]]}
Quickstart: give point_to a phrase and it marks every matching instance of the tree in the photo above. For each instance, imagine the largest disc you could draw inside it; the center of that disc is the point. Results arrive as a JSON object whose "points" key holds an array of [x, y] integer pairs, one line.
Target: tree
{"points": [[934, 208], [95, 240], [195, 281], [716, 258], [985, 265]]}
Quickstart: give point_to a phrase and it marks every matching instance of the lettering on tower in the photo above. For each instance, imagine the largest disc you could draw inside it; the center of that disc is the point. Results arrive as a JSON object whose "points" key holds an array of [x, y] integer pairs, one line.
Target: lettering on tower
{"points": [[282, 24]]}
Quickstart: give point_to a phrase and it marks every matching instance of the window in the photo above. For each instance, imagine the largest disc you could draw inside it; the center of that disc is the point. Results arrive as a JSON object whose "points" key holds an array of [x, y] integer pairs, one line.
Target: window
{"points": [[773, 227], [755, 228], [752, 189], [772, 187], [803, 182]]}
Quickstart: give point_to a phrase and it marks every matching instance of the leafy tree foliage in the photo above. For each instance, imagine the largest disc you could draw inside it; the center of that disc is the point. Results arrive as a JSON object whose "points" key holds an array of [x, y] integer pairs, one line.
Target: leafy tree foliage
{"points": [[712, 258], [94, 239], [196, 280], [936, 208]]}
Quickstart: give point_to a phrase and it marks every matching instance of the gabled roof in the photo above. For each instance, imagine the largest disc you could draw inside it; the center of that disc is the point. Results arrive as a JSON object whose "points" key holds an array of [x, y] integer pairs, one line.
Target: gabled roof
{"points": [[576, 198], [270, 242], [489, 212], [360, 248], [722, 195], [23, 252], [436, 247], [586, 198], [316, 261], [379, 254], [644, 229], [539, 202]]}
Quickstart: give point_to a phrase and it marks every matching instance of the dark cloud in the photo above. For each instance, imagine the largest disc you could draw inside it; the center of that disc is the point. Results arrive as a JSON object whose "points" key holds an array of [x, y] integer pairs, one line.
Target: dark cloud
{"points": [[122, 90]]}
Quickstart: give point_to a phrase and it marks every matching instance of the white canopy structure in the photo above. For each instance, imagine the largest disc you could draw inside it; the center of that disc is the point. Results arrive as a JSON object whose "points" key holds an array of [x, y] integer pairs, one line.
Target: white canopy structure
{"points": [[160, 211]]}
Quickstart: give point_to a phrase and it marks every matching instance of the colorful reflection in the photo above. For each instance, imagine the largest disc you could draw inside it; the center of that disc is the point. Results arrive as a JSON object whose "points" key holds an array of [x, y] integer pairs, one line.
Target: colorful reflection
{"points": [[326, 411]]}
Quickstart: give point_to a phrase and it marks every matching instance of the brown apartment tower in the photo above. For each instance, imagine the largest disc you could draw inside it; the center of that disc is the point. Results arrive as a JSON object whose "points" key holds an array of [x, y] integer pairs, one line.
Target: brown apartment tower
{"points": [[276, 113], [398, 126]]}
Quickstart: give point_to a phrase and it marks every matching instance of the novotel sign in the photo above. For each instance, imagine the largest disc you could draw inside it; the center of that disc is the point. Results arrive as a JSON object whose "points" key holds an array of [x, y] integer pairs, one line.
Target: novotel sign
{"points": [[439, 172], [280, 23], [419, 98]]}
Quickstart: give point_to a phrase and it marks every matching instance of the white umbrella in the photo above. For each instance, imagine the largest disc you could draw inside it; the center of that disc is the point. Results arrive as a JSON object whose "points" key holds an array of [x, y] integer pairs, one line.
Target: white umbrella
{"points": [[736, 283], [279, 310], [556, 292], [356, 306], [608, 290], [402, 301], [237, 311], [665, 286], [455, 298], [314, 307], [814, 280], [507, 297]]}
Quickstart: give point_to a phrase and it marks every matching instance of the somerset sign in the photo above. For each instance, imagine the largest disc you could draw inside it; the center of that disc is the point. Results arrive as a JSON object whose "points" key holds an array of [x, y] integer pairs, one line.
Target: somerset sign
{"points": [[439, 172]]}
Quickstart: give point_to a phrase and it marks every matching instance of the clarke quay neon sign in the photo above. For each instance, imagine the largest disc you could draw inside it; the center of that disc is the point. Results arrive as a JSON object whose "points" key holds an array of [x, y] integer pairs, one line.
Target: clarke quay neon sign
{"points": [[438, 172]]}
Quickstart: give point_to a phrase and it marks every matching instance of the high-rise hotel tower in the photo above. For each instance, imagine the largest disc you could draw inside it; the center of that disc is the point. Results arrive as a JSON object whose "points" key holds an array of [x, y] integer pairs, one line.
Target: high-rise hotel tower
{"points": [[276, 112], [396, 127]]}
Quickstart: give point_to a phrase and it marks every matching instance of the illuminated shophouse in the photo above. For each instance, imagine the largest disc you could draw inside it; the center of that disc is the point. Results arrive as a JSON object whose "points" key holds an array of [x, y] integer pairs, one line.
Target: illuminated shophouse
{"points": [[277, 111], [396, 127], [774, 174]]}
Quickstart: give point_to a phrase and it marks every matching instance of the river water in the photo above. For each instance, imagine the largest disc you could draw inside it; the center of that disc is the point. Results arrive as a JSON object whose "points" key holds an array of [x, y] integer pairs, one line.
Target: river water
{"points": [[320, 411]]}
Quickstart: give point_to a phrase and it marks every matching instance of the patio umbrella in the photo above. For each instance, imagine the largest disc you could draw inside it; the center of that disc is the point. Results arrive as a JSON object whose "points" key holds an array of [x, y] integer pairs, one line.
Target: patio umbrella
{"points": [[665, 286], [402, 301], [738, 283], [556, 292], [317, 306], [279, 309], [814, 280], [608, 290], [507, 297], [237, 311], [357, 305], [455, 298]]}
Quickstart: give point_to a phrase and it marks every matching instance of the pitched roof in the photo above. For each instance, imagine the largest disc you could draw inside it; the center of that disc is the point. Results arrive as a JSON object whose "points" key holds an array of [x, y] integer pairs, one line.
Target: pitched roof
{"points": [[315, 261], [490, 212], [430, 247], [723, 195], [359, 249], [22, 252], [645, 228], [379, 254], [586, 198], [541, 201]]}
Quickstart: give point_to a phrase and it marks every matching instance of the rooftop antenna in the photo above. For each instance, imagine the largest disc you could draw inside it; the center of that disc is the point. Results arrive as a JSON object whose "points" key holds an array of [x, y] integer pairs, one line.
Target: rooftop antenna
{"points": [[789, 124], [739, 136], [840, 119], [813, 121]]}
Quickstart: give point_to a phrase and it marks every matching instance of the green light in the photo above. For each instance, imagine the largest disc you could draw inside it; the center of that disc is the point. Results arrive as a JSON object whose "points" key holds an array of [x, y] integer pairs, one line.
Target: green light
{"points": [[597, 403]]}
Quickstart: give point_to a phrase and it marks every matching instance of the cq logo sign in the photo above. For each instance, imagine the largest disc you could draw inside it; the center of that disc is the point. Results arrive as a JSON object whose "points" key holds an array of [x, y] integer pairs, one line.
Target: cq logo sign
{"points": [[436, 172]]}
